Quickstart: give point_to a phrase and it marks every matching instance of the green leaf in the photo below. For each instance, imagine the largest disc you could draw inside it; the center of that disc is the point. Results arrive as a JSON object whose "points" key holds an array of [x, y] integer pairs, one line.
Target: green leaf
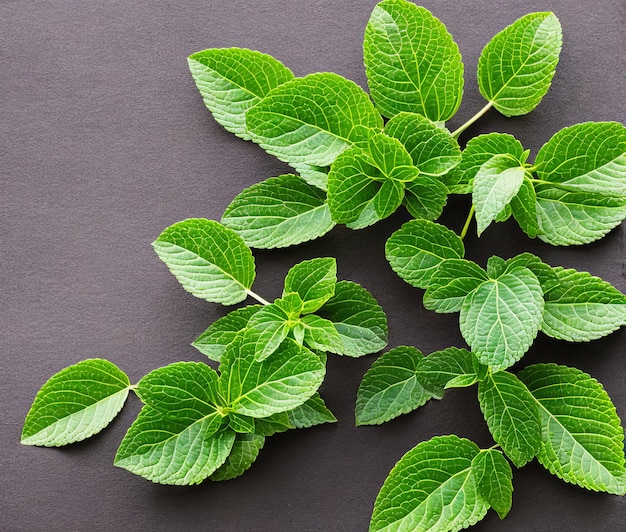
{"points": [[280, 383], [314, 281], [432, 148], [512, 416], [494, 478], [546, 275], [582, 307], [496, 266], [496, 183], [244, 452], [321, 334], [416, 250], [501, 318], [448, 368], [516, 67], [316, 176], [453, 281], [583, 440], [221, 333], [390, 387], [268, 426], [431, 488], [231, 80], [358, 318], [524, 209], [168, 450], [411, 61], [241, 424], [210, 261], [76, 403], [477, 152], [312, 119], [425, 197], [279, 212], [310, 413]]}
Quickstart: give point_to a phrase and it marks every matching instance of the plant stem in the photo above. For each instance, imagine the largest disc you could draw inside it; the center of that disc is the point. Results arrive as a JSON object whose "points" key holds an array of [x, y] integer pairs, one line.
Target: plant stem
{"points": [[257, 297], [467, 222], [467, 124]]}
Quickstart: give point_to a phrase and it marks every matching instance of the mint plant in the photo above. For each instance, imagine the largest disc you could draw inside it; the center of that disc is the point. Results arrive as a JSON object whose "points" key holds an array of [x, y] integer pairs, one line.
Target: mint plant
{"points": [[356, 159]]}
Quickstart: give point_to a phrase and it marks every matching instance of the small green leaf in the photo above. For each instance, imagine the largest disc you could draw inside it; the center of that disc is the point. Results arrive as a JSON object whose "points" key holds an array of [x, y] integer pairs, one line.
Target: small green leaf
{"points": [[390, 387], [516, 67], [496, 267], [524, 209], [496, 183], [312, 119], [583, 440], [221, 333], [314, 281], [432, 488], [279, 212], [270, 425], [310, 413], [501, 318], [231, 80], [582, 307], [494, 478], [321, 334], [358, 318], [411, 61], [241, 424], [512, 416], [171, 451], [243, 453], [76, 403], [416, 250], [453, 281], [425, 197], [210, 261], [448, 368]]}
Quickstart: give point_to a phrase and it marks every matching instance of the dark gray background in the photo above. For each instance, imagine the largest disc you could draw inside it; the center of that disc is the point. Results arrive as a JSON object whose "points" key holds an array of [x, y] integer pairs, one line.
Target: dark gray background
{"points": [[106, 142]]}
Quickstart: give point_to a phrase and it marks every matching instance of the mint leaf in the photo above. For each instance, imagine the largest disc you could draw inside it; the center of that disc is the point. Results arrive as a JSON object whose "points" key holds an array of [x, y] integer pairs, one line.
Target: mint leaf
{"points": [[511, 414], [501, 318], [231, 80], [314, 281], [583, 440], [76, 403], [416, 250], [496, 183], [494, 478], [243, 453], [448, 368], [453, 281], [312, 119], [432, 487], [279, 212], [310, 413], [582, 307], [280, 383], [168, 450], [390, 387], [222, 332], [358, 318], [209, 260], [411, 61], [516, 67]]}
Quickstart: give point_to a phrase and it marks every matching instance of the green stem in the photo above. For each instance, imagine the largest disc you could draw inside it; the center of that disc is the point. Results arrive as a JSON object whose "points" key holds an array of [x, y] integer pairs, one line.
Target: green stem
{"points": [[468, 221], [474, 118], [257, 297]]}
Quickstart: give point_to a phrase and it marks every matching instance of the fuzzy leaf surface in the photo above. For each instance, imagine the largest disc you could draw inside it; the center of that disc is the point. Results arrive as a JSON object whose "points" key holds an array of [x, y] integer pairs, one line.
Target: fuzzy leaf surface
{"points": [[582, 436], [453, 281], [411, 61], [279, 212], [231, 80], [76, 403], [494, 478]]}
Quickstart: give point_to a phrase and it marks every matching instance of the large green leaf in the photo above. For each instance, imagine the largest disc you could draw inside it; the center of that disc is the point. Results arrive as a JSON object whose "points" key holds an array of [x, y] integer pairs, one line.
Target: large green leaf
{"points": [[411, 61], [168, 450], [416, 250], [312, 119], [281, 383], [511, 414], [453, 281], [583, 440], [243, 453], [494, 478], [76, 403], [501, 318], [210, 261], [390, 387], [516, 67], [358, 318], [582, 307], [279, 212], [432, 488], [231, 80]]}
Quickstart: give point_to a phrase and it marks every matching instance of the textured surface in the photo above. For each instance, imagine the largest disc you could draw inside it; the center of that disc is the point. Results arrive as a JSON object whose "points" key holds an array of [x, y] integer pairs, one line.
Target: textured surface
{"points": [[107, 142]]}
